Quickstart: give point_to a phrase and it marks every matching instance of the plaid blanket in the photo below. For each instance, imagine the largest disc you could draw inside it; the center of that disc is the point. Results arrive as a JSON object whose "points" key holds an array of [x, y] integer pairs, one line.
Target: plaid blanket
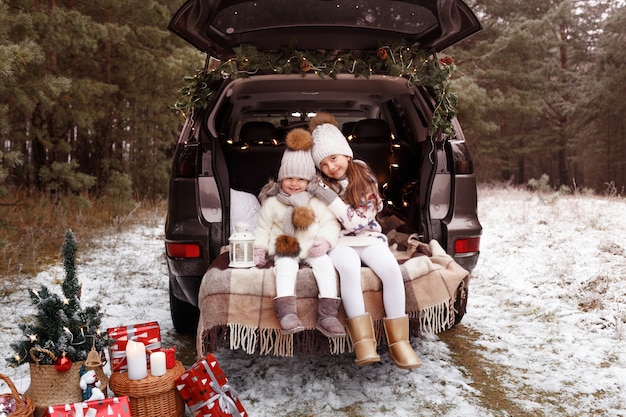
{"points": [[237, 310]]}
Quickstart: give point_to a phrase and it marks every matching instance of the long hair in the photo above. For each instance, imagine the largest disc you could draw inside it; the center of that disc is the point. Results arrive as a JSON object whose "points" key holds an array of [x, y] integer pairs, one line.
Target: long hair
{"points": [[361, 184]]}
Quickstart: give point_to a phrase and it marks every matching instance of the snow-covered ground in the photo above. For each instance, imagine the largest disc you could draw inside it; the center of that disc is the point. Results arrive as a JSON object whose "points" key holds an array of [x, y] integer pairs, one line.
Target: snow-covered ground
{"points": [[544, 335]]}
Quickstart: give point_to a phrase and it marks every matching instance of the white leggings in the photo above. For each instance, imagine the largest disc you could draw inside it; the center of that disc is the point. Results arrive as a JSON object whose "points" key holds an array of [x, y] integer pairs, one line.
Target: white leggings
{"points": [[286, 270], [347, 261]]}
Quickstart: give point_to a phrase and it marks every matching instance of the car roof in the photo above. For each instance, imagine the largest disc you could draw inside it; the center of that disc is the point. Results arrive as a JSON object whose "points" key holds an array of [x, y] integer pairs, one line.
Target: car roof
{"points": [[218, 26]]}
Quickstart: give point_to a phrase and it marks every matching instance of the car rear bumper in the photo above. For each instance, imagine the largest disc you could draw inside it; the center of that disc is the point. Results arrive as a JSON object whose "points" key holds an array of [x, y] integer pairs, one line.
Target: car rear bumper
{"points": [[186, 287], [468, 262]]}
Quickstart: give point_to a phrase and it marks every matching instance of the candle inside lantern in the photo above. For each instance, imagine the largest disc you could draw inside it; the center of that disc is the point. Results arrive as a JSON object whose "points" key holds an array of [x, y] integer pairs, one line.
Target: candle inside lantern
{"points": [[157, 363], [241, 247], [136, 359]]}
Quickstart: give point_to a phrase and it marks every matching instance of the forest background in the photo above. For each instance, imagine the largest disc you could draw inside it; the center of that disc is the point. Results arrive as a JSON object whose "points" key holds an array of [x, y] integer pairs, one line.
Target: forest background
{"points": [[87, 128]]}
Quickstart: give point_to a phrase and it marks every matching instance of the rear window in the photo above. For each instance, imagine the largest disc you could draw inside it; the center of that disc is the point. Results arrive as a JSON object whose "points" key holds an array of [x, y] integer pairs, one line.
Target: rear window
{"points": [[398, 16]]}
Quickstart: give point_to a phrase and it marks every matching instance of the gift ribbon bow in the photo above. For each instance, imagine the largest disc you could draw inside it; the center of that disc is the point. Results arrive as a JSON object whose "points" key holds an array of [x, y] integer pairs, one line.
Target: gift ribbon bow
{"points": [[132, 329], [225, 402], [121, 354]]}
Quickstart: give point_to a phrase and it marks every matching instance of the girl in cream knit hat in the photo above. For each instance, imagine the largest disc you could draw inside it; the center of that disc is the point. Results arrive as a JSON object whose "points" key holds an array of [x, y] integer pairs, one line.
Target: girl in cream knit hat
{"points": [[351, 192], [294, 226]]}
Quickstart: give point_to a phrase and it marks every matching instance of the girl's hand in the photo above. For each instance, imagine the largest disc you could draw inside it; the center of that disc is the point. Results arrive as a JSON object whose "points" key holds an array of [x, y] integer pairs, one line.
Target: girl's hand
{"points": [[260, 256], [318, 248], [320, 190], [313, 184]]}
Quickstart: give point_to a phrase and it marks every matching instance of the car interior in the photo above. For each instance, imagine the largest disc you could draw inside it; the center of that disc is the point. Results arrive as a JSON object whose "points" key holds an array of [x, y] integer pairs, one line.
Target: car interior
{"points": [[254, 123]]}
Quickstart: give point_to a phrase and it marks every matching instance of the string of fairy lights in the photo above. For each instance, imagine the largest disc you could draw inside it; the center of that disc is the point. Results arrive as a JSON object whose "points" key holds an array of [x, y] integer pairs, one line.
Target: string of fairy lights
{"points": [[412, 62]]}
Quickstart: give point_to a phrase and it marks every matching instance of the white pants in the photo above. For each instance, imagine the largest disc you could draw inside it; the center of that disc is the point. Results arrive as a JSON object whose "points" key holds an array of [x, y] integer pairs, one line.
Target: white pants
{"points": [[286, 270], [347, 261]]}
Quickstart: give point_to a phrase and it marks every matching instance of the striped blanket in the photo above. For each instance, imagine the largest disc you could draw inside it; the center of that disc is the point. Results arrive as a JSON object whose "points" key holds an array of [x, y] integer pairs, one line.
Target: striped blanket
{"points": [[237, 311]]}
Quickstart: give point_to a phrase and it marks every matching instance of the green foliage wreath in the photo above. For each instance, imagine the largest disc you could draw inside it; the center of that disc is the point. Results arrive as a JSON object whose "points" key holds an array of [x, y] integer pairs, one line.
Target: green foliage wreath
{"points": [[412, 62]]}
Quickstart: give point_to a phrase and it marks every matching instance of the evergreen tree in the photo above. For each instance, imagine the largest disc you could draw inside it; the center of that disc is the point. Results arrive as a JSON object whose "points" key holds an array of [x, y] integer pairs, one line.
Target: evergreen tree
{"points": [[522, 79], [95, 100], [499, 85], [601, 140], [60, 324]]}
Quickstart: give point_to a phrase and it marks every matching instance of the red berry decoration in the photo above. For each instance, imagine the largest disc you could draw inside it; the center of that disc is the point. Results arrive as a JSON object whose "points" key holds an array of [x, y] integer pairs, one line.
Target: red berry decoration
{"points": [[63, 364], [446, 60]]}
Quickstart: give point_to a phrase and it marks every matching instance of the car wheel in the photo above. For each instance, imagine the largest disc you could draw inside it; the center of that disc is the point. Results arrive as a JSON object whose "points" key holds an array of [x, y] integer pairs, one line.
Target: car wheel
{"points": [[460, 301], [184, 315]]}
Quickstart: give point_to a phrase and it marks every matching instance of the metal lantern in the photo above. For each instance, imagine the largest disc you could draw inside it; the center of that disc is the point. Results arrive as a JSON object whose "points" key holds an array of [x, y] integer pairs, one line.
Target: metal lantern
{"points": [[241, 247]]}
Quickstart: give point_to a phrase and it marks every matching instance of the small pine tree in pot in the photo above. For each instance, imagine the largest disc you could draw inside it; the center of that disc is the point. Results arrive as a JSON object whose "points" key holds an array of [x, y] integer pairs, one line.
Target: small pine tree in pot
{"points": [[61, 337]]}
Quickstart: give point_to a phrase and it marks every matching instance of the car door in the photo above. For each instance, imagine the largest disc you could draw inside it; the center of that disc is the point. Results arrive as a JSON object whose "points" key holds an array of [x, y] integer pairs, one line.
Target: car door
{"points": [[218, 26]]}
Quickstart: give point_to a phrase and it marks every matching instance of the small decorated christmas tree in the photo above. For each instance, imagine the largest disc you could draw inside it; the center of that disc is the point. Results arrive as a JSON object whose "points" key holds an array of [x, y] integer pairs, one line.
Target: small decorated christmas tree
{"points": [[60, 324]]}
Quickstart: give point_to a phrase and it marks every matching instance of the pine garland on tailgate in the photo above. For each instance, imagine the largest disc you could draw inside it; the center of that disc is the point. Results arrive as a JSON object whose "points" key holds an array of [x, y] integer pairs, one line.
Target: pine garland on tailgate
{"points": [[412, 62], [60, 324]]}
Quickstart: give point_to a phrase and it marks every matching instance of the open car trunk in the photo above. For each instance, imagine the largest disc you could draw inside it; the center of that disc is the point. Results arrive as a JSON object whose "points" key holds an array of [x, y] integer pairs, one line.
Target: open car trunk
{"points": [[218, 26], [373, 65]]}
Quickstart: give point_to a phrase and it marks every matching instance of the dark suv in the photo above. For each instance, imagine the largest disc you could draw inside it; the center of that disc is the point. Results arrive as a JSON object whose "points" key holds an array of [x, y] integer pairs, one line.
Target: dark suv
{"points": [[278, 62]]}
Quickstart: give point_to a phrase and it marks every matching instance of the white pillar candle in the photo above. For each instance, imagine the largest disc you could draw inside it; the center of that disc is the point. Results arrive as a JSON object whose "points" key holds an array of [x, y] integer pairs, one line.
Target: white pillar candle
{"points": [[136, 359], [157, 363]]}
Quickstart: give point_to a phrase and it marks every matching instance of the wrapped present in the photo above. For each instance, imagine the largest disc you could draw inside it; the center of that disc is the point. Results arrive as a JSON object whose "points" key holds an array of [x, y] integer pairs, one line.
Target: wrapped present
{"points": [[147, 333], [170, 357], [206, 391], [109, 407]]}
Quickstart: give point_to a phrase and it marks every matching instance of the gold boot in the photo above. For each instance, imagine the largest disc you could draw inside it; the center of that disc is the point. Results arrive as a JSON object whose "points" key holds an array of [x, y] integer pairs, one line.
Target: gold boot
{"points": [[361, 331], [400, 350]]}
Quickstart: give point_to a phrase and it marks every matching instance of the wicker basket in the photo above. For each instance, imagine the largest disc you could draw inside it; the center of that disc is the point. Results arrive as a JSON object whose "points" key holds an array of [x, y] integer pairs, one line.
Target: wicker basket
{"points": [[152, 396], [24, 405], [50, 387]]}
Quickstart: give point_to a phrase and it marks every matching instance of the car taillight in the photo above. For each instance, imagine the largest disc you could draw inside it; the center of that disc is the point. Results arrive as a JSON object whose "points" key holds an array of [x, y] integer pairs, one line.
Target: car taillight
{"points": [[463, 163], [463, 167], [467, 245], [186, 161], [183, 250]]}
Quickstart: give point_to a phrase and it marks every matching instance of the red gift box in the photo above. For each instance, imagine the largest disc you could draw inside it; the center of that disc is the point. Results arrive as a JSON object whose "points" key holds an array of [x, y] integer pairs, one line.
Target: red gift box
{"points": [[206, 391], [170, 357], [109, 407], [147, 333]]}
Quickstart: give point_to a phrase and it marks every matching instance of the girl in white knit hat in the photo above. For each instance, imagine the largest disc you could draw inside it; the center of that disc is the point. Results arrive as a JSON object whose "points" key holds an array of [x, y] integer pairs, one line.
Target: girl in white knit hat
{"points": [[294, 226], [351, 192]]}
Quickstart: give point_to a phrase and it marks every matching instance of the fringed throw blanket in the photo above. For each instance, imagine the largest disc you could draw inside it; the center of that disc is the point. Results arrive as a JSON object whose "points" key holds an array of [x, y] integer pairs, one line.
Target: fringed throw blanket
{"points": [[237, 310]]}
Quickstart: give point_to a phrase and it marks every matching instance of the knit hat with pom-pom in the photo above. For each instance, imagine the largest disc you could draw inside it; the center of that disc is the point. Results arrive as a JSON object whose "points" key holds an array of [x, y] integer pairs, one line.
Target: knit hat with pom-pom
{"points": [[297, 161], [327, 138]]}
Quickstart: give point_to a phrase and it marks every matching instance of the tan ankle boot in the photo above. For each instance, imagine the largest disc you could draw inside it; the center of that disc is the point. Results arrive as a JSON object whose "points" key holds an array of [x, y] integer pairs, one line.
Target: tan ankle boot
{"points": [[286, 311], [400, 350], [361, 331]]}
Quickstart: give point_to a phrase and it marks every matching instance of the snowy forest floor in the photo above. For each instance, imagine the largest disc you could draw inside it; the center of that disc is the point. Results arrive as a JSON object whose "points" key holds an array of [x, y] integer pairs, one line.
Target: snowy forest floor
{"points": [[544, 334]]}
